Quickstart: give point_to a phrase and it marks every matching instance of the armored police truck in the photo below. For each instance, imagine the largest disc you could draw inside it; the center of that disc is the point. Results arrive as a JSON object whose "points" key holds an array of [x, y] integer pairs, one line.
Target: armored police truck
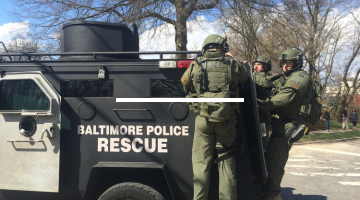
{"points": [[72, 125]]}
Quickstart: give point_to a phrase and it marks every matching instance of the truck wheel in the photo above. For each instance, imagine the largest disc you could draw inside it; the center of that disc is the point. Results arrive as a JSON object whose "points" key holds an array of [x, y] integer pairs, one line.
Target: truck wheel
{"points": [[131, 191]]}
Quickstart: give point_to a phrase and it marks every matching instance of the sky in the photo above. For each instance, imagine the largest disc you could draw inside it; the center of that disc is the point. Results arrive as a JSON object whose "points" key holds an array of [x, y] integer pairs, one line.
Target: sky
{"points": [[5, 5], [9, 27], [161, 42]]}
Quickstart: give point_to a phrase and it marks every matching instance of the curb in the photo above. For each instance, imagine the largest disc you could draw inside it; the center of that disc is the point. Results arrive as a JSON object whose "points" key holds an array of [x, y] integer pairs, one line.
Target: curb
{"points": [[327, 141]]}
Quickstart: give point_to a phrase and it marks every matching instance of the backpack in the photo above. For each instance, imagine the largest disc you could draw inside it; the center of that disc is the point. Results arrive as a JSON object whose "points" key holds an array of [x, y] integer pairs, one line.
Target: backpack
{"points": [[310, 110]]}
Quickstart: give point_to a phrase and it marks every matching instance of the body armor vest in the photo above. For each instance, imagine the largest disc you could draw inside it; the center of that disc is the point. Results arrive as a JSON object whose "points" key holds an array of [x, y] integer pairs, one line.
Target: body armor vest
{"points": [[214, 78]]}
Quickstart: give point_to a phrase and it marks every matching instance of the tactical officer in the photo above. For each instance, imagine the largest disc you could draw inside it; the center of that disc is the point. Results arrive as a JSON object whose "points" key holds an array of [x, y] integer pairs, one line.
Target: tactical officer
{"points": [[264, 86], [214, 75], [285, 118]]}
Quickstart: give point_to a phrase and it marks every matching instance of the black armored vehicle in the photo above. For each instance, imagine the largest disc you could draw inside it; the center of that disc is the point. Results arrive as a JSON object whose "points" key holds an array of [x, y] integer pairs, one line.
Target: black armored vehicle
{"points": [[98, 122]]}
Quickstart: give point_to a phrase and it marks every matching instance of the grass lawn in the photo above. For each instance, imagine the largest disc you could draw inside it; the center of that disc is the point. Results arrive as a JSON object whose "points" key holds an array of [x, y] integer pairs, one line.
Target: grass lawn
{"points": [[337, 125], [330, 136]]}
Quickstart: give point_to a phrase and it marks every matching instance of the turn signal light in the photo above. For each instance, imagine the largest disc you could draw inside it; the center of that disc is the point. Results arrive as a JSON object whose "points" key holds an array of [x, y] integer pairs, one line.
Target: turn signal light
{"points": [[184, 63]]}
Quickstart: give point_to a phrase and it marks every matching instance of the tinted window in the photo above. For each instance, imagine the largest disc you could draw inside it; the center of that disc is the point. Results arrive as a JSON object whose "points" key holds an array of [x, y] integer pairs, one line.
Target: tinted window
{"points": [[22, 94], [166, 88], [87, 88]]}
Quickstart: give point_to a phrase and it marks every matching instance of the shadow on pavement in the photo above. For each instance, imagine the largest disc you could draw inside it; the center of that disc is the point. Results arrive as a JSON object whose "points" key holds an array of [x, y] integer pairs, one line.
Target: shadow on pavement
{"points": [[287, 194]]}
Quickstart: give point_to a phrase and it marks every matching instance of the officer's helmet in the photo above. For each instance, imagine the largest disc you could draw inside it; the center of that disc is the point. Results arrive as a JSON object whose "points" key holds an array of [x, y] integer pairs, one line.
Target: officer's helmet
{"points": [[265, 61], [292, 55], [213, 41]]}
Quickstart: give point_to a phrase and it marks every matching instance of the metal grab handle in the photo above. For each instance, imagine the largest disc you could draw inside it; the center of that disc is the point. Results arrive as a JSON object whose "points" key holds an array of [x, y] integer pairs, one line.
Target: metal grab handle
{"points": [[25, 141]]}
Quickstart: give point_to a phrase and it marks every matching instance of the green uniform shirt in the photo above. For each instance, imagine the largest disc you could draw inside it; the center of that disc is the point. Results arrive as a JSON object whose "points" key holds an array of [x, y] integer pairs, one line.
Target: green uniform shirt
{"points": [[263, 86], [288, 100]]}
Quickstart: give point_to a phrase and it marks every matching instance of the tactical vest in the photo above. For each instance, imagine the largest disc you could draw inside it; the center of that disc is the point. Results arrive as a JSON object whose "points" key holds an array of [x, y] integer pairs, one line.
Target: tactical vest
{"points": [[214, 78], [298, 80], [307, 107]]}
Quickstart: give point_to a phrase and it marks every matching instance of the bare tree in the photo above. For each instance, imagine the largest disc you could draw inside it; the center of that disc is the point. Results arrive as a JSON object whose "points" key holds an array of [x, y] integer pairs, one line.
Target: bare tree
{"points": [[309, 26], [147, 13]]}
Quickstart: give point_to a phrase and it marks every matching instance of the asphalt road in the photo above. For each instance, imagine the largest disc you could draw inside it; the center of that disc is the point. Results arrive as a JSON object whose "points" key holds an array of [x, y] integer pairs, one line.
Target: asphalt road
{"points": [[328, 171]]}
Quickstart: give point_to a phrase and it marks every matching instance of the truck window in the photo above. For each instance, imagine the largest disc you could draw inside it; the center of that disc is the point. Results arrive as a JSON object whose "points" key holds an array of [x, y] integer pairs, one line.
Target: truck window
{"points": [[87, 88], [22, 94], [166, 88]]}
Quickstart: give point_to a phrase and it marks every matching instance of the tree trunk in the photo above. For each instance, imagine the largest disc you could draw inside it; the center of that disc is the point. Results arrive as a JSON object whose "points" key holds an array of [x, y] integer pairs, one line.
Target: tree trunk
{"points": [[181, 38]]}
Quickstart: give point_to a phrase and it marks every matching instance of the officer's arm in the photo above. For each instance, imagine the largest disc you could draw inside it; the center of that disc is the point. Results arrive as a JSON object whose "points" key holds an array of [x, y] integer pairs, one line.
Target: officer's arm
{"points": [[243, 71], [186, 77], [282, 99]]}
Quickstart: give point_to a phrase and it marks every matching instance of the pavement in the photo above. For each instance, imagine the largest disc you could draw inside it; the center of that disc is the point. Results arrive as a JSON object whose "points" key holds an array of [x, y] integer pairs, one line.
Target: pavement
{"points": [[323, 171]]}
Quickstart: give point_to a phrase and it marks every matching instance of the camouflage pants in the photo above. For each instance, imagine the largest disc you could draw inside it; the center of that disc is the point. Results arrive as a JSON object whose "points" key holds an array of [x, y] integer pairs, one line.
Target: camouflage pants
{"points": [[207, 137], [276, 155]]}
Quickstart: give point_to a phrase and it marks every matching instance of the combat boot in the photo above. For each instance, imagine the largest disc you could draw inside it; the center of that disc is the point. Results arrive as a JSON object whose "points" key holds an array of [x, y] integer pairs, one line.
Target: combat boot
{"points": [[273, 197], [260, 194]]}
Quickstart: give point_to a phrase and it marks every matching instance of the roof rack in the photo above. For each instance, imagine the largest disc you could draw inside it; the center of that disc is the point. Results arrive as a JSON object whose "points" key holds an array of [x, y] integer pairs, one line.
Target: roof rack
{"points": [[95, 54], [5, 50]]}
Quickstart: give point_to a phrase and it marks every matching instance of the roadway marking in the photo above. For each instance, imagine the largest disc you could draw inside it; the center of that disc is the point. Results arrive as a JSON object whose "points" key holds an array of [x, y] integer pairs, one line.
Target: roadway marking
{"points": [[324, 174], [302, 156], [357, 168], [350, 183], [357, 163], [327, 174], [310, 166], [300, 160], [332, 151], [338, 160], [352, 174], [297, 174]]}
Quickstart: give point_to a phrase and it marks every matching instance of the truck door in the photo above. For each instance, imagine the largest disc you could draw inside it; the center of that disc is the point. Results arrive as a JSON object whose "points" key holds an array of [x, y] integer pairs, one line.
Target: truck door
{"points": [[29, 133]]}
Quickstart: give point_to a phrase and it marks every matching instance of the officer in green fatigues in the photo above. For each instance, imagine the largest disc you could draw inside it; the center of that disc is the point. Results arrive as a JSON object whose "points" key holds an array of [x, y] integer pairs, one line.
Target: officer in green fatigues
{"points": [[285, 108], [264, 86], [214, 75]]}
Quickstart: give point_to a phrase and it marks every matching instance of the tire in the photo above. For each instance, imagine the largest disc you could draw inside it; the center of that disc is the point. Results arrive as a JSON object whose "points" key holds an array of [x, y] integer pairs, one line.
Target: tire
{"points": [[131, 191]]}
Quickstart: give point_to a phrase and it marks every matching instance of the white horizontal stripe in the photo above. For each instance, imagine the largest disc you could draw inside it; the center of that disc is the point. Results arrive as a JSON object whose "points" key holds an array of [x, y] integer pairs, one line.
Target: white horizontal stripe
{"points": [[338, 160], [324, 174], [352, 174], [357, 163], [350, 183], [357, 168], [301, 156], [327, 174], [332, 151], [300, 160], [309, 166], [297, 174], [179, 100]]}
